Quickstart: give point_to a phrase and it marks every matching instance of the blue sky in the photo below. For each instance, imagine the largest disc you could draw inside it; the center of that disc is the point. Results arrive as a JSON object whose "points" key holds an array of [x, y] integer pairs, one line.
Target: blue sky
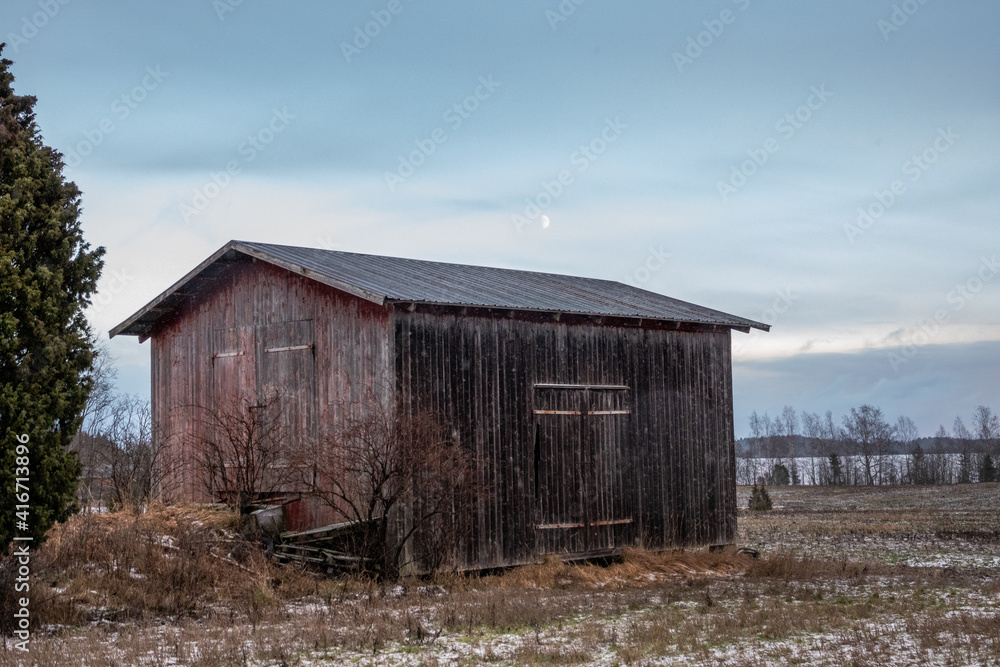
{"points": [[743, 138]]}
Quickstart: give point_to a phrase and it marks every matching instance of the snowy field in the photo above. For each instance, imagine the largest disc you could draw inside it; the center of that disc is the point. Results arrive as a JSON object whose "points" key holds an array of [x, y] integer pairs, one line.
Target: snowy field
{"points": [[846, 576]]}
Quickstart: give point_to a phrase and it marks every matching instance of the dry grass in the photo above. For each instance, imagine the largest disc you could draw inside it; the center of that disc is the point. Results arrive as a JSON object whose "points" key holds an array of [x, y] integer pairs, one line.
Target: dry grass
{"points": [[166, 562], [637, 568], [828, 589]]}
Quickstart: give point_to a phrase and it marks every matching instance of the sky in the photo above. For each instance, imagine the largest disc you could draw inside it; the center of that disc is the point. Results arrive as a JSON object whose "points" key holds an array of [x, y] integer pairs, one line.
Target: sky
{"points": [[829, 168]]}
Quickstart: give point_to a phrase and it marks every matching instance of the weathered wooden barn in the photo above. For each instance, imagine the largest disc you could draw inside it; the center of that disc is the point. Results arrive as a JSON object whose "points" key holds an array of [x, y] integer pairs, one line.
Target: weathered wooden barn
{"points": [[599, 415]]}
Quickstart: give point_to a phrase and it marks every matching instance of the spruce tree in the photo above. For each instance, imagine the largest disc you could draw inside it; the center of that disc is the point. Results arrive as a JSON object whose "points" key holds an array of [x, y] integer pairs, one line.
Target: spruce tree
{"points": [[836, 469], [987, 469], [47, 275]]}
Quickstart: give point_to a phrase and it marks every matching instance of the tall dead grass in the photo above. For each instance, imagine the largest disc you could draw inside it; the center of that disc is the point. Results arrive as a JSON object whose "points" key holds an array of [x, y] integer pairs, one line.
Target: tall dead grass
{"points": [[636, 567], [166, 561]]}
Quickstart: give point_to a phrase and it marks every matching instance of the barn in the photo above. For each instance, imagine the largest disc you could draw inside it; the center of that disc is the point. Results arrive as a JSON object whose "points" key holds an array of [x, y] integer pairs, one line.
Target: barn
{"points": [[599, 415]]}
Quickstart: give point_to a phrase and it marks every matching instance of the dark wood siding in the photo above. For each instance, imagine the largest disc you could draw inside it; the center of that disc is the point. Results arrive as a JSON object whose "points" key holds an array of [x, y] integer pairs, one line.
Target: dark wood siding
{"points": [[659, 475], [635, 447]]}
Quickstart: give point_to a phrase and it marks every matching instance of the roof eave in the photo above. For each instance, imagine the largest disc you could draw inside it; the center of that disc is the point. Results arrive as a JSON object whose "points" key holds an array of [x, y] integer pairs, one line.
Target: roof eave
{"points": [[737, 323], [188, 277]]}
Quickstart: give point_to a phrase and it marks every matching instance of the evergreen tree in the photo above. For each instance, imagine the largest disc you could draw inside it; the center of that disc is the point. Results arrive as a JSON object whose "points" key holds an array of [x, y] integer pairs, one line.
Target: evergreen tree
{"points": [[987, 469], [47, 274], [836, 469], [779, 475], [760, 499], [918, 473]]}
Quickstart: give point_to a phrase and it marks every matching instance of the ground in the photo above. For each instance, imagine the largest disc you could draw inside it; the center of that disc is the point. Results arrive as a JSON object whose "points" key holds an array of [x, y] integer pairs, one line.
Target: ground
{"points": [[845, 576]]}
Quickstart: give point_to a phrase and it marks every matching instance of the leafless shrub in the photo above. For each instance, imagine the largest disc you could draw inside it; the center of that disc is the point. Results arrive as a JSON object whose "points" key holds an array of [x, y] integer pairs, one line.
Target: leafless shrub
{"points": [[244, 456], [398, 476], [122, 462]]}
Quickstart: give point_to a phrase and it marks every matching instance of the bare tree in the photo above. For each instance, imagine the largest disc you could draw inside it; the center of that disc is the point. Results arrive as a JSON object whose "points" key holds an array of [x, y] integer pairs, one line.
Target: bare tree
{"points": [[986, 427], [965, 462], [89, 440], [102, 374], [812, 428], [832, 434], [244, 456], [830, 429], [120, 461], [396, 476], [790, 429], [906, 434], [941, 467], [751, 470], [775, 446], [870, 437], [133, 460], [789, 422]]}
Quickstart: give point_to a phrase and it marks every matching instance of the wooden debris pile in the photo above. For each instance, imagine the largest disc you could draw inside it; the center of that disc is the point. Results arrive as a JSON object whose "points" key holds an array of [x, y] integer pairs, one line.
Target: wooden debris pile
{"points": [[326, 548]]}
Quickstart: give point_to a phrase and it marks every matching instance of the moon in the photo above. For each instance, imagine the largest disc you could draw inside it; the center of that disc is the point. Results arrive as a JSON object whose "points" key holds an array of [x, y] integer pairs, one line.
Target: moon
{"points": [[545, 221]]}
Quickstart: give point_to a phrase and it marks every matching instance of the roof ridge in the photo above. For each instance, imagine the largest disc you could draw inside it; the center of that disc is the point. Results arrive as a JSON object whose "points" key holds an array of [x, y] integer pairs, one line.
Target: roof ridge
{"points": [[434, 261]]}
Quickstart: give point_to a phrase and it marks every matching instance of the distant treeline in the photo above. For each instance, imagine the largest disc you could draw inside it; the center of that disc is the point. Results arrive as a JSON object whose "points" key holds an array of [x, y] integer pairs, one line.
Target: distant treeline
{"points": [[801, 446], [864, 448]]}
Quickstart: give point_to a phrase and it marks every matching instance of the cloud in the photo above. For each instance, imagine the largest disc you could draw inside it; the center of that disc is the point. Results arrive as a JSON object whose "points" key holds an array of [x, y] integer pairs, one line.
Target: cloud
{"points": [[938, 383]]}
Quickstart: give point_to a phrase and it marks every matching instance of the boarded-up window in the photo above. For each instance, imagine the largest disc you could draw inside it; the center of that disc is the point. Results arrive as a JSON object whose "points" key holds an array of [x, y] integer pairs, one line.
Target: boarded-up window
{"points": [[286, 364], [581, 467], [233, 370]]}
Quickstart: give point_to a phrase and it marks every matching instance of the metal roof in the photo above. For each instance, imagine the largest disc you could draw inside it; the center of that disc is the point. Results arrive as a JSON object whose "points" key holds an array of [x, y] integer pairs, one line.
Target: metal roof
{"points": [[389, 279]]}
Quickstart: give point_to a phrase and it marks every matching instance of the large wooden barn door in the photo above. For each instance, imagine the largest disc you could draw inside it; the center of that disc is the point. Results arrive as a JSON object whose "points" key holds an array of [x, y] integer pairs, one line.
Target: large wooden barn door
{"points": [[581, 449]]}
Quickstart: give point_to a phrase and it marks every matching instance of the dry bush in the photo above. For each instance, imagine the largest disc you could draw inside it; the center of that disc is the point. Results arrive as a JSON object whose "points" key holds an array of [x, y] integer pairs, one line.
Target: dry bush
{"points": [[245, 455], [168, 561], [760, 500], [403, 480]]}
